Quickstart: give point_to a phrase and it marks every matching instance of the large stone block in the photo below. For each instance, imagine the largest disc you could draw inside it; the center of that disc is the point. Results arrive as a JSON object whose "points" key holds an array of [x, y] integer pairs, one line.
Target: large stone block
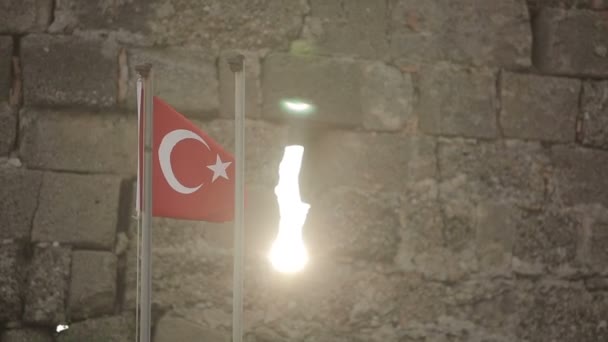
{"points": [[87, 216], [19, 191], [25, 16], [171, 329], [92, 285], [53, 74], [330, 85], [8, 128], [26, 335], [105, 329], [349, 28], [370, 162], [559, 48], [209, 24], [386, 97], [579, 175], [47, 286], [11, 268], [449, 30], [253, 91], [539, 107], [6, 61], [469, 112], [353, 223], [87, 142], [560, 311], [185, 79], [595, 114]]}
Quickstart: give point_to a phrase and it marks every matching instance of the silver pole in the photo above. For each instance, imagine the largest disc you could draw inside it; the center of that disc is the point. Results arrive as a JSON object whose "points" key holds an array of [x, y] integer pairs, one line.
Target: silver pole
{"points": [[145, 321], [237, 66]]}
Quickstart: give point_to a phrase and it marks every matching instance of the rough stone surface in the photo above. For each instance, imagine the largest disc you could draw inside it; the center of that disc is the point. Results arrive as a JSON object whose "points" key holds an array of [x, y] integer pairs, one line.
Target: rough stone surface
{"points": [[25, 16], [176, 329], [348, 28], [8, 128], [26, 335], [559, 48], [105, 329], [209, 24], [575, 184], [6, 61], [539, 107], [87, 78], [469, 112], [88, 214], [92, 285], [47, 285], [11, 268], [568, 4], [343, 158], [330, 85], [387, 98], [353, 223], [83, 142], [595, 114], [561, 312], [19, 198], [449, 30], [185, 79], [253, 91]]}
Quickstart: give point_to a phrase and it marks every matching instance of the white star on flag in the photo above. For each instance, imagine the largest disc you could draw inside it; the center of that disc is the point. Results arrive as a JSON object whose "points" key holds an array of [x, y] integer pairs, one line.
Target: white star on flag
{"points": [[219, 169]]}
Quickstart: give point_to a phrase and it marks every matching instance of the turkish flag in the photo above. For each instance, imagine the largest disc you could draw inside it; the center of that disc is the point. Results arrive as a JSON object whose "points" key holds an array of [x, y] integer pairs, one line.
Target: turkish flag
{"points": [[192, 175]]}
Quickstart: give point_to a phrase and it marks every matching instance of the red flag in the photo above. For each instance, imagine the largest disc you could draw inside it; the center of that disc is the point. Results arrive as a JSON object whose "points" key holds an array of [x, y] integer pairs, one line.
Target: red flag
{"points": [[192, 175]]}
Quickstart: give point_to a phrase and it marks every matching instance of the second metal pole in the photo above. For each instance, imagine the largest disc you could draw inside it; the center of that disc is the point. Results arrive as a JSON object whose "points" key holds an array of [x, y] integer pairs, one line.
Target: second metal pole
{"points": [[237, 66]]}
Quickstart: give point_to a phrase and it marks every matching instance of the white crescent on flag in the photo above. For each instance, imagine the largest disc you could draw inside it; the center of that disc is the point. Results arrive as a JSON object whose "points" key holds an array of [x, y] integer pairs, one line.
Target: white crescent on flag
{"points": [[164, 156]]}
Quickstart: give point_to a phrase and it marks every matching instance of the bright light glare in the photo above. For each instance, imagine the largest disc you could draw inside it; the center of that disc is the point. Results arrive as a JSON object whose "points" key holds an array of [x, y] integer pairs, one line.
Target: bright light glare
{"points": [[288, 253], [61, 328], [297, 106]]}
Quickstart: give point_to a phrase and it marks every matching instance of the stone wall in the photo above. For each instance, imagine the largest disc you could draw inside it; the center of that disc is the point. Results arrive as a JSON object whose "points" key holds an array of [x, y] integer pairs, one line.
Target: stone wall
{"points": [[455, 168]]}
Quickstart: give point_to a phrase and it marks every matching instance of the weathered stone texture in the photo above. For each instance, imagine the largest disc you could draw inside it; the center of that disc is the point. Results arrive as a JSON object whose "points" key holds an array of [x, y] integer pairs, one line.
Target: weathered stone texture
{"points": [[348, 28], [359, 160], [19, 191], [25, 16], [595, 114], [83, 142], [6, 61], [8, 128], [93, 284], [470, 111], [185, 79], [386, 97], [209, 24], [571, 42], [47, 285], [105, 329], [450, 30], [69, 70], [171, 329], [253, 91], [561, 312], [88, 213], [539, 107], [330, 85], [568, 4], [26, 335], [11, 269], [354, 224], [580, 175]]}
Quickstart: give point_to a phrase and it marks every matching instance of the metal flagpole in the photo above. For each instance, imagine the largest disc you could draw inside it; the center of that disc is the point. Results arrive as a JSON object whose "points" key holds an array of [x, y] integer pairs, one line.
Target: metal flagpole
{"points": [[145, 72], [237, 66]]}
